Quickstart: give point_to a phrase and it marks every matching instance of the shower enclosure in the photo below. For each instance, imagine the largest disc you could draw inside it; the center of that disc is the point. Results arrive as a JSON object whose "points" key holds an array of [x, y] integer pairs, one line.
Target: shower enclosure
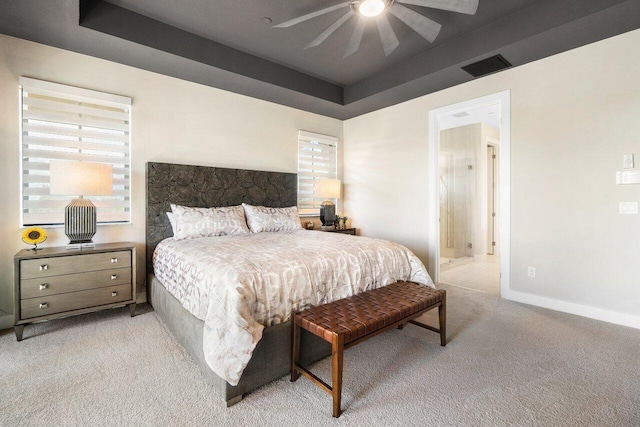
{"points": [[467, 199]]}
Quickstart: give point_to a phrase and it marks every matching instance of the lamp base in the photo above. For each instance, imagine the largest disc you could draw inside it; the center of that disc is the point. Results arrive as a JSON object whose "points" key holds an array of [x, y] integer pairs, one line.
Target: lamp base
{"points": [[80, 221], [327, 213]]}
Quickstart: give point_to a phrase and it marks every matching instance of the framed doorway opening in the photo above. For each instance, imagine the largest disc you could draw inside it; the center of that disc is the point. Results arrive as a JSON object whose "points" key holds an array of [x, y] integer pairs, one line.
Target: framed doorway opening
{"points": [[438, 120]]}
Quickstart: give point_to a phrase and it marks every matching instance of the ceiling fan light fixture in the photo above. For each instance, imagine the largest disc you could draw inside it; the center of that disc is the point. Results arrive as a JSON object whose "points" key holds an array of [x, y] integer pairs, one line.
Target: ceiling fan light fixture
{"points": [[419, 23], [370, 8]]}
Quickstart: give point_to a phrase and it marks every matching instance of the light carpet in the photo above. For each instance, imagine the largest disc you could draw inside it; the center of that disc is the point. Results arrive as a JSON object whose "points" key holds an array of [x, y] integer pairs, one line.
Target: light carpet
{"points": [[506, 364]]}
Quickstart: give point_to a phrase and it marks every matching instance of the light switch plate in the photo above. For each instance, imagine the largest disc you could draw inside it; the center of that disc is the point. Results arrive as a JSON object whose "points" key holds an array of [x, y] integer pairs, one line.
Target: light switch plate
{"points": [[627, 161], [628, 177], [629, 208]]}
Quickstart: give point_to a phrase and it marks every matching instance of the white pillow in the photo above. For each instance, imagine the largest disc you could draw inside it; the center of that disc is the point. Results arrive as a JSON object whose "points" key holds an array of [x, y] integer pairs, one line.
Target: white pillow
{"points": [[261, 218], [192, 223]]}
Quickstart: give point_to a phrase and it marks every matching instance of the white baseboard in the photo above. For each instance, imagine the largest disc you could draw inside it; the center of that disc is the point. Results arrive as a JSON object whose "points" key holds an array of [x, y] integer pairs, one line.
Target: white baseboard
{"points": [[141, 297], [6, 320], [623, 319]]}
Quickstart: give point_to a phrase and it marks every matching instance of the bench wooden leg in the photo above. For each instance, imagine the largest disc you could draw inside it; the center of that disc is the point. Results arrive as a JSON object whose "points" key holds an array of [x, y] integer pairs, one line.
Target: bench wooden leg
{"points": [[442, 318], [401, 326], [337, 351], [295, 348]]}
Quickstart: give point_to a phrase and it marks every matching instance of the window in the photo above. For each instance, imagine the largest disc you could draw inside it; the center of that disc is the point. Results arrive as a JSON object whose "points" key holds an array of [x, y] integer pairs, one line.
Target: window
{"points": [[317, 159], [65, 122]]}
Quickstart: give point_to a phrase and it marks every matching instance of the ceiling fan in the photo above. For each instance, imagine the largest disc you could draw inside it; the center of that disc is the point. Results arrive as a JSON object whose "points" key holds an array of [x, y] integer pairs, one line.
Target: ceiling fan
{"points": [[422, 25]]}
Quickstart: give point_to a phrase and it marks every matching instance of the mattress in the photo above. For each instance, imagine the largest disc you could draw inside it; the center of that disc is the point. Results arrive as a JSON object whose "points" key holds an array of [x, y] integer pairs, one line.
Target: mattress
{"points": [[238, 285]]}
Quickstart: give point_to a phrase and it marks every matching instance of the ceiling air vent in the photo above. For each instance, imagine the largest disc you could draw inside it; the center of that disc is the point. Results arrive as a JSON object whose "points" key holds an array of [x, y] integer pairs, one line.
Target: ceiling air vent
{"points": [[487, 66]]}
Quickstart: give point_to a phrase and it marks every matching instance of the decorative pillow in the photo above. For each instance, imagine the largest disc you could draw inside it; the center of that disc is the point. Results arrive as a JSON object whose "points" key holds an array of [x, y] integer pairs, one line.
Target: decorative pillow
{"points": [[192, 223], [261, 218], [172, 221]]}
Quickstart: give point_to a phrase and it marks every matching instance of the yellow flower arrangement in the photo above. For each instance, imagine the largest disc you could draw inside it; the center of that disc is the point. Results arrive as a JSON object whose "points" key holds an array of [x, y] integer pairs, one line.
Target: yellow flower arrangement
{"points": [[34, 236]]}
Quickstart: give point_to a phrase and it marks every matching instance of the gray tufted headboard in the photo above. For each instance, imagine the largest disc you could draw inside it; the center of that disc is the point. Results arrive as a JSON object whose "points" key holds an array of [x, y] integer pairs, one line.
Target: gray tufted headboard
{"points": [[202, 186]]}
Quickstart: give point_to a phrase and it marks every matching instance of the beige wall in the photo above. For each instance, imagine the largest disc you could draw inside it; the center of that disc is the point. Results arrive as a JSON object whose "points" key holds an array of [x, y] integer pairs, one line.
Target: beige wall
{"points": [[172, 120], [573, 116]]}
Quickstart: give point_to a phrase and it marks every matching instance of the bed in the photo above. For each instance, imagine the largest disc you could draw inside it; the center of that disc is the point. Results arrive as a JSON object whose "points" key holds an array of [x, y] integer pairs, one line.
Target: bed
{"points": [[233, 289]]}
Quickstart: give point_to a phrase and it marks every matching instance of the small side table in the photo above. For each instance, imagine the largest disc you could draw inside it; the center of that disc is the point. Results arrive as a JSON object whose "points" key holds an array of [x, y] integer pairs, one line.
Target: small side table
{"points": [[57, 282], [352, 231]]}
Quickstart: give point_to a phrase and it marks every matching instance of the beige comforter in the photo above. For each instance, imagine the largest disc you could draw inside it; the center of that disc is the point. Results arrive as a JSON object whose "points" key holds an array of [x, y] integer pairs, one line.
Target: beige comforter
{"points": [[239, 284]]}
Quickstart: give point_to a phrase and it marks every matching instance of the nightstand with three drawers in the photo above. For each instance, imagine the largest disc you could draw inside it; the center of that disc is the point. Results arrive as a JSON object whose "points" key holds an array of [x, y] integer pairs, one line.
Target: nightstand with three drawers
{"points": [[57, 282]]}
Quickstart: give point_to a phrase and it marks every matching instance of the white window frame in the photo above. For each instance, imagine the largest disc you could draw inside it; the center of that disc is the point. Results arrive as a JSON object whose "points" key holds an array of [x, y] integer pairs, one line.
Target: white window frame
{"points": [[65, 122], [317, 159]]}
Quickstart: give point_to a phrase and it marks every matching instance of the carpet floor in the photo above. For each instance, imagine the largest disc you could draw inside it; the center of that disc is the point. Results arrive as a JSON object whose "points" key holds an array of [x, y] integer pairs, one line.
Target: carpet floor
{"points": [[506, 364]]}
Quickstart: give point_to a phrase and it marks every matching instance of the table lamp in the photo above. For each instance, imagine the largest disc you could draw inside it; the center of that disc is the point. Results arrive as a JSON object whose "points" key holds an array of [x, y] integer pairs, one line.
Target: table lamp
{"points": [[76, 178], [328, 189]]}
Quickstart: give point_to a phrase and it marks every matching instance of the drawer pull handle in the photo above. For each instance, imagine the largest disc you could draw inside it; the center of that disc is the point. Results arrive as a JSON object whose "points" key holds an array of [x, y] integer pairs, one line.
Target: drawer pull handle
{"points": [[44, 286], [114, 276], [44, 305], [114, 260], [114, 294], [44, 267]]}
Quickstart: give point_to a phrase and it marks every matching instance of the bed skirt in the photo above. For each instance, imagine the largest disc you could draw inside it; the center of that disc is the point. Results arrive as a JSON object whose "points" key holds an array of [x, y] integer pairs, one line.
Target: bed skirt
{"points": [[271, 357]]}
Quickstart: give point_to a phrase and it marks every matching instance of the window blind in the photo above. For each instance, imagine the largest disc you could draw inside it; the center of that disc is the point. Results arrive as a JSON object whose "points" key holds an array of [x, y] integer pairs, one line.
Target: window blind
{"points": [[69, 123], [317, 159]]}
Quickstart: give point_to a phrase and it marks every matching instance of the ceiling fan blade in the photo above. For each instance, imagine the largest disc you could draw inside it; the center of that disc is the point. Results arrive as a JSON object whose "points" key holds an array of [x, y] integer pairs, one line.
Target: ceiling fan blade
{"points": [[311, 15], [387, 35], [326, 33], [461, 6], [356, 38], [420, 24]]}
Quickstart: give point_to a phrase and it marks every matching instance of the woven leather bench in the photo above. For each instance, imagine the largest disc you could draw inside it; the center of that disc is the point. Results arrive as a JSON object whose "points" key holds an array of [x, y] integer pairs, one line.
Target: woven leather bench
{"points": [[350, 321]]}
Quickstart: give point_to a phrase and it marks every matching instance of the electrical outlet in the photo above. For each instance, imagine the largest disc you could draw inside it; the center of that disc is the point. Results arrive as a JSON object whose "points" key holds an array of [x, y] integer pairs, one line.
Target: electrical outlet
{"points": [[531, 272]]}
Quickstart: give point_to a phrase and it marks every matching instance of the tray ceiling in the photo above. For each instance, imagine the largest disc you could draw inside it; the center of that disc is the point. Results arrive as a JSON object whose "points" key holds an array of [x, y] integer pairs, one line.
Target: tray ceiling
{"points": [[239, 24]]}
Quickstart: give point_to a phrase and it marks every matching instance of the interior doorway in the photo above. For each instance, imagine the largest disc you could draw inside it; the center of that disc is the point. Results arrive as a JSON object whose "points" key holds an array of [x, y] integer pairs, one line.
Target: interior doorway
{"points": [[469, 146]]}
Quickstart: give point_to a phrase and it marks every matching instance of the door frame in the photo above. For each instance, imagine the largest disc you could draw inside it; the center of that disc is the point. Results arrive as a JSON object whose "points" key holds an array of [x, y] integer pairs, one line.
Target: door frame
{"points": [[503, 99]]}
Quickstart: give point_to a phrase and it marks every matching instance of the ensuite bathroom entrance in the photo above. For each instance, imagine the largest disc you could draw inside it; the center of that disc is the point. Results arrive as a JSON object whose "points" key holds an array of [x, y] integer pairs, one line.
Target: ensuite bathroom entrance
{"points": [[469, 196]]}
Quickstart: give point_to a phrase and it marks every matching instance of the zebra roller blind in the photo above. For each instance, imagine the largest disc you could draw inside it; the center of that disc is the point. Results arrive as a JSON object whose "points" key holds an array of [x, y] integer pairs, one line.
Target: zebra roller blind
{"points": [[317, 160], [65, 122]]}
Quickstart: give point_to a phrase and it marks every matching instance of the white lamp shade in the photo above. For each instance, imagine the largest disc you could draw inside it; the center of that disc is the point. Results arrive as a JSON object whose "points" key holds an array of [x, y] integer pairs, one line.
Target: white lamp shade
{"points": [[328, 188], [75, 178]]}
